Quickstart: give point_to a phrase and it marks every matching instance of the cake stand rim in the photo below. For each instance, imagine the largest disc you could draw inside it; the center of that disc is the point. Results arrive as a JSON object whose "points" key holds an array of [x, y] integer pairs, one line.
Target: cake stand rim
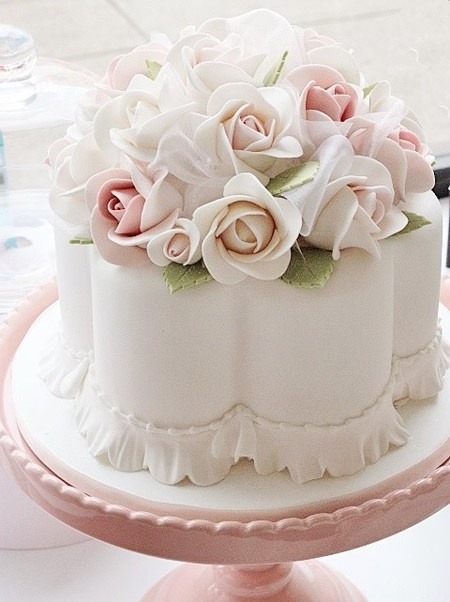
{"points": [[48, 490], [428, 494]]}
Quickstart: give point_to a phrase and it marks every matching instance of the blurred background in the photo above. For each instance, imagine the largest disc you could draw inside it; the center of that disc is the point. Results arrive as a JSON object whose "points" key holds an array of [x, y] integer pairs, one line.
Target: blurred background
{"points": [[404, 41]]}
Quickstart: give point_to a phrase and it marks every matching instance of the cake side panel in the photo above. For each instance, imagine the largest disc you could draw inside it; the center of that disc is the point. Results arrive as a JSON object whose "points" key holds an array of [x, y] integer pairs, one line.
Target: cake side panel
{"points": [[65, 362], [323, 355], [417, 257], [169, 359], [74, 287]]}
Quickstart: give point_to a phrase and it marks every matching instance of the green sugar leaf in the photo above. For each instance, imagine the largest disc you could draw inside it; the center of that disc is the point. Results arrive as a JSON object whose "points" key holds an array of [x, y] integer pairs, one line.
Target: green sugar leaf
{"points": [[274, 74], [368, 89], [415, 222], [293, 178], [179, 277], [153, 68], [309, 268], [79, 240]]}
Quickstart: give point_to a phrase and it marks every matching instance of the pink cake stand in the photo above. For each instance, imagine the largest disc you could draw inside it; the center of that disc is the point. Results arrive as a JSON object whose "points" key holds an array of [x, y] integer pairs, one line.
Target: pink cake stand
{"points": [[249, 559]]}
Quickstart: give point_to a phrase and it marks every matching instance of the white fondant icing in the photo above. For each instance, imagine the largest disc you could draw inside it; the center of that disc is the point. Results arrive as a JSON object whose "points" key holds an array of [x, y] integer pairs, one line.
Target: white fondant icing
{"points": [[421, 375], [186, 384], [191, 357], [205, 453], [417, 258], [74, 287], [65, 362], [48, 424], [194, 136], [62, 368]]}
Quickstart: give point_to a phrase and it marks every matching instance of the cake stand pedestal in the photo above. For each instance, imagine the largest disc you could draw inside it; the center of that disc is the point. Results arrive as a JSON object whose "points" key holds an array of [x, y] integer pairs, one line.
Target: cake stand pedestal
{"points": [[308, 581], [251, 553]]}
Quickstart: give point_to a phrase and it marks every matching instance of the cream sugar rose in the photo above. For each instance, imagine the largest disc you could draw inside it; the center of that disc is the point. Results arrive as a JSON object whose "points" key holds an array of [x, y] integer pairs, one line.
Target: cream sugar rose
{"points": [[264, 275]]}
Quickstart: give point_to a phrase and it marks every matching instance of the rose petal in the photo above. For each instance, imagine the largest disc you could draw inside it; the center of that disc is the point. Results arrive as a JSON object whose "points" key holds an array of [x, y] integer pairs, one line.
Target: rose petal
{"points": [[266, 270], [87, 159], [334, 221], [111, 252], [215, 258], [394, 221], [358, 237], [129, 224], [95, 183], [420, 175], [339, 59]]}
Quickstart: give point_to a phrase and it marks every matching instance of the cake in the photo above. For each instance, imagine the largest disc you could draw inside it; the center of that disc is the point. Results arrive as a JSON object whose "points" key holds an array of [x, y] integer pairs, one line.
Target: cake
{"points": [[248, 256]]}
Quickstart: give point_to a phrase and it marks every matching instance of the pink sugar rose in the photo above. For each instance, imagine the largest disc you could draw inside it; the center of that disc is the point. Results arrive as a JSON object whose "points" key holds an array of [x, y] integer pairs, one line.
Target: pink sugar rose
{"points": [[323, 91], [123, 68], [127, 208], [408, 140], [400, 150]]}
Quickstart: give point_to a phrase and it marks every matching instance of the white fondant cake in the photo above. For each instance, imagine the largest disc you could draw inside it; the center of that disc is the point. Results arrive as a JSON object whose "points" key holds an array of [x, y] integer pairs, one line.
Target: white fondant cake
{"points": [[265, 272]]}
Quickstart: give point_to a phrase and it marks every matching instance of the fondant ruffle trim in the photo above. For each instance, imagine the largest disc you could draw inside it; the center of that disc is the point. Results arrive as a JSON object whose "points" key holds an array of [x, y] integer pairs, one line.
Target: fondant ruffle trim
{"points": [[421, 375], [205, 454], [63, 369]]}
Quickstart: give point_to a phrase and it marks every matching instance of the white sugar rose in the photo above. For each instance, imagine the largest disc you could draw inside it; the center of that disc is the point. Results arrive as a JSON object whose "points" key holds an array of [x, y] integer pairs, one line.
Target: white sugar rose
{"points": [[248, 232], [199, 64], [124, 67], [134, 122], [256, 41], [253, 41], [312, 40], [73, 162], [350, 202], [250, 126], [180, 244], [241, 49]]}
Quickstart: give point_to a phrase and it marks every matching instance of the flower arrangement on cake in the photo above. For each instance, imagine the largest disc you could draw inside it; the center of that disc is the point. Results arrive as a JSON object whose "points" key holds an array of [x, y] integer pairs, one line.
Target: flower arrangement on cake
{"points": [[249, 147]]}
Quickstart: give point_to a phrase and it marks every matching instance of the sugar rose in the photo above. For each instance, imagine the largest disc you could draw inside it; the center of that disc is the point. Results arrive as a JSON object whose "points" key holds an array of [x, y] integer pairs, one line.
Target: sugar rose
{"points": [[323, 92], [134, 122], [248, 232], [72, 162], [180, 244], [254, 40], [251, 125], [123, 68], [400, 150], [325, 102], [356, 206], [127, 209], [241, 49]]}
